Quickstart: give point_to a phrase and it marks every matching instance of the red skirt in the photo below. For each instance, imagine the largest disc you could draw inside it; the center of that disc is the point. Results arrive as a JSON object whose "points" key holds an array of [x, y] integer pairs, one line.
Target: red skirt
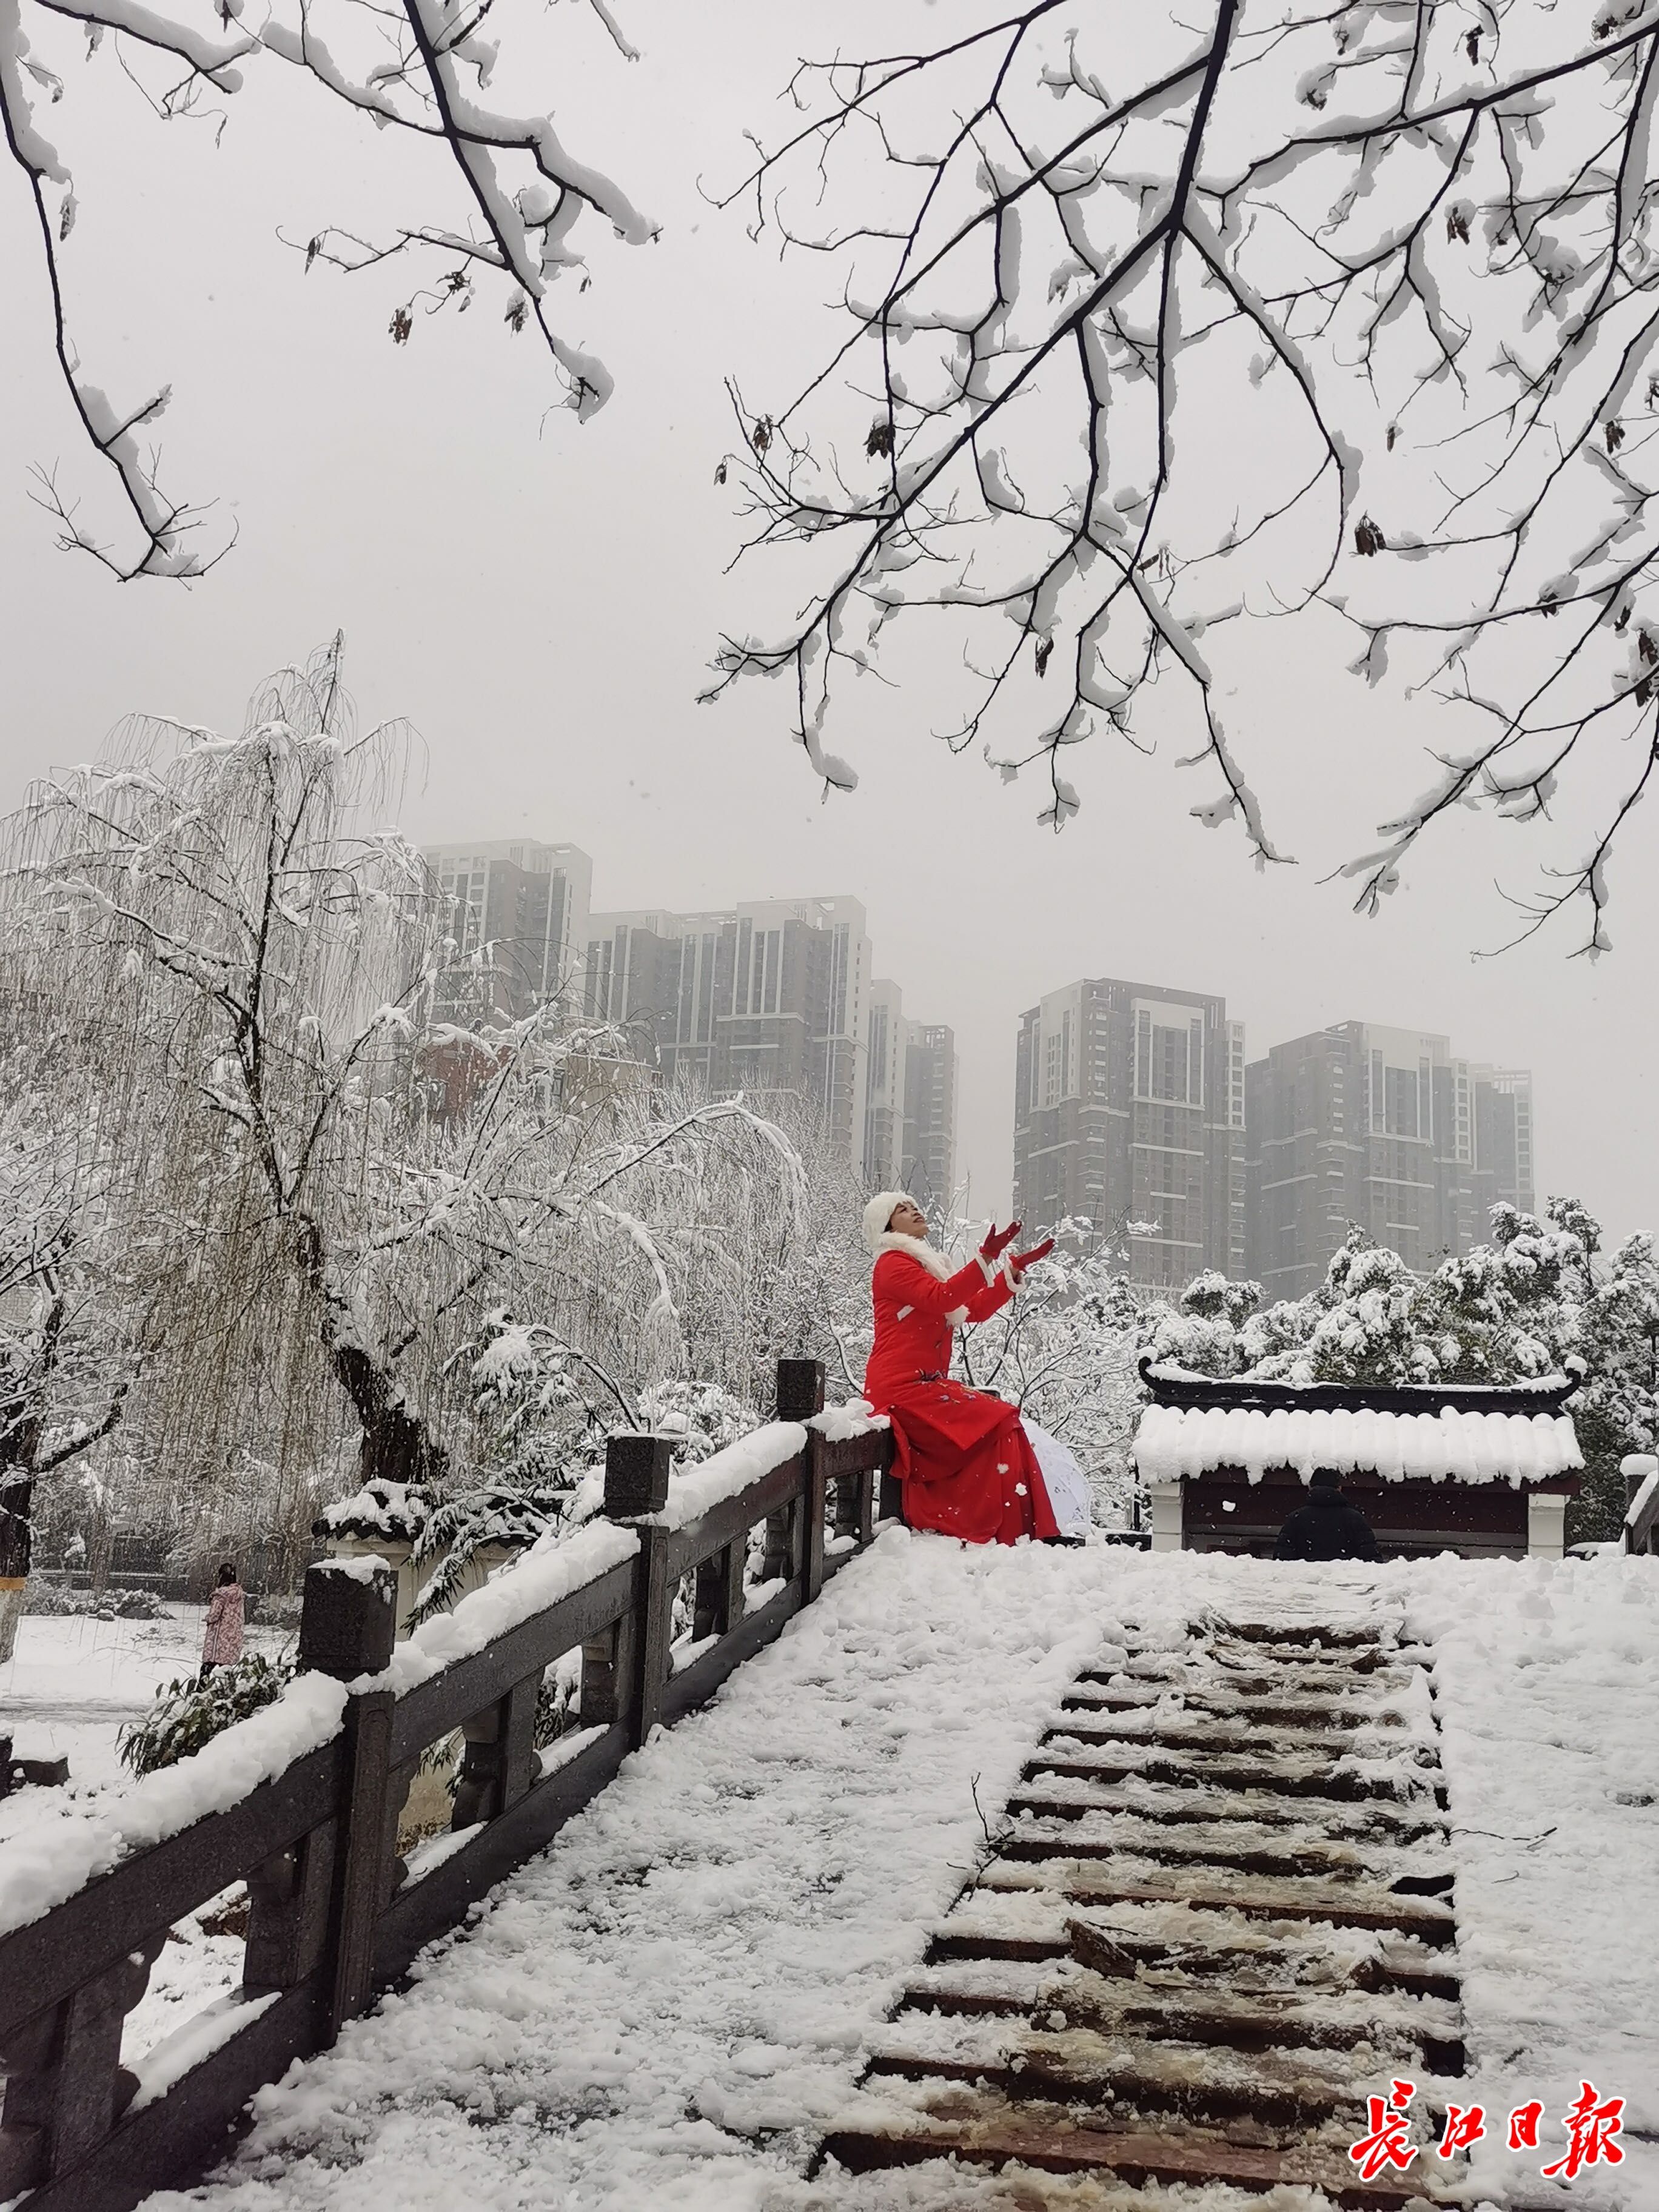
{"points": [[966, 1465]]}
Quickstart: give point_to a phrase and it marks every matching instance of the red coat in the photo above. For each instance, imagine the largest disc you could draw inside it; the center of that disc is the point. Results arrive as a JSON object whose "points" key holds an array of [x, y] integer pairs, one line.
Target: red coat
{"points": [[964, 1460]]}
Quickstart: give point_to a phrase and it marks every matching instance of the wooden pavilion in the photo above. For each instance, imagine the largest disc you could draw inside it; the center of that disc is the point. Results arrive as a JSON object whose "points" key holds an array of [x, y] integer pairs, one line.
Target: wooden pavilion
{"points": [[1484, 1470]]}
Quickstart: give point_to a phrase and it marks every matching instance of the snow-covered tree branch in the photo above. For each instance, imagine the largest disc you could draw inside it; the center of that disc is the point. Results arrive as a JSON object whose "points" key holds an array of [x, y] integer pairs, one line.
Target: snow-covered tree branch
{"points": [[418, 71], [1158, 318]]}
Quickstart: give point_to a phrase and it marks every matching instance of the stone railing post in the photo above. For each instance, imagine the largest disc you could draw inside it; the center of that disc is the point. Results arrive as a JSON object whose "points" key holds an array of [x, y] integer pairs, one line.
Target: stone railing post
{"points": [[801, 1395], [66, 2086], [348, 1624], [624, 1670]]}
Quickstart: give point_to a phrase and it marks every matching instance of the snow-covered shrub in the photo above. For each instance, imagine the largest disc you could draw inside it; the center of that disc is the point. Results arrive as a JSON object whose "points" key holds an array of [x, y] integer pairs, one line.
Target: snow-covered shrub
{"points": [[275, 1609], [395, 1512], [133, 1605], [47, 1597], [543, 1423], [190, 1713], [1201, 1331], [41, 1595], [702, 1418], [1064, 1351]]}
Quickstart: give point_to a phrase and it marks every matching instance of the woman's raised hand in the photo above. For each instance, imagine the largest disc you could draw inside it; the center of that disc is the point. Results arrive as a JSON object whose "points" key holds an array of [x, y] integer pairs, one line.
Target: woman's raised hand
{"points": [[1021, 1260], [997, 1241]]}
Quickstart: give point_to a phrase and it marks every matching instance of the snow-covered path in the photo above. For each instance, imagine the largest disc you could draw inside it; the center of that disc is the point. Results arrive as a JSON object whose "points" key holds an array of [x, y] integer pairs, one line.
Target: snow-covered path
{"points": [[664, 2009], [72, 1683]]}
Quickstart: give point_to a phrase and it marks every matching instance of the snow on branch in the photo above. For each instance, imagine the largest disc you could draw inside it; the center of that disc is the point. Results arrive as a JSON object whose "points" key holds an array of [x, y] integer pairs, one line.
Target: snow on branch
{"points": [[417, 69], [1266, 310]]}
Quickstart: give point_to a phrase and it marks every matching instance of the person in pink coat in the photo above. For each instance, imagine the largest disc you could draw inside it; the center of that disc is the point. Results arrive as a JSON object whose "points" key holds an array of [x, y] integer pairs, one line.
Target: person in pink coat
{"points": [[221, 1636]]}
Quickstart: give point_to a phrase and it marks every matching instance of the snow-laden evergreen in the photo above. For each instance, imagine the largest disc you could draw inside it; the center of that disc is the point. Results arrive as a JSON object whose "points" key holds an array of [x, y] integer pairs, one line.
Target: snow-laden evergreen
{"points": [[1539, 1299]]}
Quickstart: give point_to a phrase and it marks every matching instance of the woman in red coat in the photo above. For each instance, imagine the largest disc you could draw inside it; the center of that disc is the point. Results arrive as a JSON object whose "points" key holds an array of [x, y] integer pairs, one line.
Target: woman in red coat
{"points": [[965, 1462]]}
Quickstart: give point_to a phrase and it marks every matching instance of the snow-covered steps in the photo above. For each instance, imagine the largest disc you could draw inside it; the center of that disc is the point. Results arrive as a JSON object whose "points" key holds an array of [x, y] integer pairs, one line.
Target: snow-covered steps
{"points": [[1216, 1917], [1251, 2018], [1333, 1772], [990, 2130], [1320, 1708], [1048, 1822], [1366, 1822]]}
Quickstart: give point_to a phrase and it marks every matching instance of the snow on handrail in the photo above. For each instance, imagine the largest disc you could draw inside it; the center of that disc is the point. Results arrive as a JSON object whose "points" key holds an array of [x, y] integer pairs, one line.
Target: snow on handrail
{"points": [[554, 1568], [839, 1425], [43, 1866], [692, 1490]]}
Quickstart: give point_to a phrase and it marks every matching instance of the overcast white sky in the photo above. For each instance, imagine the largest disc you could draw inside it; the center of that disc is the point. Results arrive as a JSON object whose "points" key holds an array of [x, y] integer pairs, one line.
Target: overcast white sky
{"points": [[541, 600]]}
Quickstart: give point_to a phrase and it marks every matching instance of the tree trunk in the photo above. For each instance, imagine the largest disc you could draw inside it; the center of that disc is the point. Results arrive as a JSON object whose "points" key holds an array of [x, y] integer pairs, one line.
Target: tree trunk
{"points": [[15, 1552], [398, 1446]]}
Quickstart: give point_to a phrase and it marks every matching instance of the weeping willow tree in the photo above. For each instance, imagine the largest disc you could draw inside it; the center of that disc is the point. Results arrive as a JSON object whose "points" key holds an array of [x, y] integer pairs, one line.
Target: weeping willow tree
{"points": [[313, 1187], [242, 967], [66, 1356]]}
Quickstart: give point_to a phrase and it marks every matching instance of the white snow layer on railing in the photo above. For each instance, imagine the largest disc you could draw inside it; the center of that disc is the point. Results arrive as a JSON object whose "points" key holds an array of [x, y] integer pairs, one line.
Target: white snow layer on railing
{"points": [[198, 2038], [555, 1566], [693, 1490], [1176, 1440], [42, 1866], [839, 1425]]}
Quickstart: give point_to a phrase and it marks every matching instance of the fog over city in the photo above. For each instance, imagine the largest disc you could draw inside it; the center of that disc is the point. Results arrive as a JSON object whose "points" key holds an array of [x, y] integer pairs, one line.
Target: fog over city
{"points": [[542, 598]]}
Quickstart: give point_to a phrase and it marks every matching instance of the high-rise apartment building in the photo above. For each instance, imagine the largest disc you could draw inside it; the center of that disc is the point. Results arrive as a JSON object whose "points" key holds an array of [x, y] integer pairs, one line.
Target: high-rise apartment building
{"points": [[768, 998], [928, 1167], [910, 1102], [1383, 1127], [520, 923], [1501, 1169], [884, 1066], [1129, 1112]]}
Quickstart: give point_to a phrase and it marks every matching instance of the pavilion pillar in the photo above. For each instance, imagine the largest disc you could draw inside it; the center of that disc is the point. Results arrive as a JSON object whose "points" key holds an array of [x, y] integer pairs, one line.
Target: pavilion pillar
{"points": [[1164, 1500], [1546, 1524]]}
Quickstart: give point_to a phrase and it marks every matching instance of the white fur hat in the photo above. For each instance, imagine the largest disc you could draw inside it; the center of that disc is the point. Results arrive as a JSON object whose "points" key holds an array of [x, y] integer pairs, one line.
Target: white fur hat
{"points": [[879, 1212]]}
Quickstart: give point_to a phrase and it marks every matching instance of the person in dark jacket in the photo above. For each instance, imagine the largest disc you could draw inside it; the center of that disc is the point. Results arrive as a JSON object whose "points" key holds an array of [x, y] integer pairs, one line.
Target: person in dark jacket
{"points": [[1327, 1526]]}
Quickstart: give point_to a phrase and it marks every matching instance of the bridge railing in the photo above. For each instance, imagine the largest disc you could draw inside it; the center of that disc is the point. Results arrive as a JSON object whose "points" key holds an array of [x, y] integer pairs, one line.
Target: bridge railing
{"points": [[302, 1802]]}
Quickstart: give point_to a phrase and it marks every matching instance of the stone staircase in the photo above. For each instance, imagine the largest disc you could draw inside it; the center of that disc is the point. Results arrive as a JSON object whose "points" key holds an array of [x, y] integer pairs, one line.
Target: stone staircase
{"points": [[1217, 1916]]}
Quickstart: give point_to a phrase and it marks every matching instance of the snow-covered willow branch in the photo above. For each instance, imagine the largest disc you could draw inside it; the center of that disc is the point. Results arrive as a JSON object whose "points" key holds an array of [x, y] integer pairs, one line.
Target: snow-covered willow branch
{"points": [[419, 70], [1158, 317]]}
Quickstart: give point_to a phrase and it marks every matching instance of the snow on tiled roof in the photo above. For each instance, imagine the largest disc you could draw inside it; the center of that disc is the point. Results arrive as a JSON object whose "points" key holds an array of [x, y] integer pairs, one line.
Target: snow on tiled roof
{"points": [[1173, 1440], [381, 1509]]}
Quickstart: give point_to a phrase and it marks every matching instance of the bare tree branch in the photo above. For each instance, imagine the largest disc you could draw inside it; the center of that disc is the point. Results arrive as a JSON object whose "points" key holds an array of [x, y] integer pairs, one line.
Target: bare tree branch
{"points": [[1403, 250], [409, 68]]}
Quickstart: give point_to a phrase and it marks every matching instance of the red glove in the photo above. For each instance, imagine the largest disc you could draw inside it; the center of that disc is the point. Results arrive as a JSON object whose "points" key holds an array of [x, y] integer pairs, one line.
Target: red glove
{"points": [[1021, 1260], [997, 1241]]}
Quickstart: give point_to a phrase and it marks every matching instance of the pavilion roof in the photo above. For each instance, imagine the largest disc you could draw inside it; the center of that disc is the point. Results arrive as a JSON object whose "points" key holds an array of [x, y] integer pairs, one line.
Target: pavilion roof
{"points": [[1170, 1385]]}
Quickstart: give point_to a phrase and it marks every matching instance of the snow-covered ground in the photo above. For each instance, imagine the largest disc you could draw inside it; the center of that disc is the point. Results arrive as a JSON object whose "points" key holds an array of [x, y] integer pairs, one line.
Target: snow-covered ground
{"points": [[71, 1684], [665, 2008]]}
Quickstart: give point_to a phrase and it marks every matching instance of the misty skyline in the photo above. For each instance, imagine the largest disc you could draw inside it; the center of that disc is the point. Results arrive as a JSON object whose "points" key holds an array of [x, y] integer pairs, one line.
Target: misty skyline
{"points": [[1257, 1043]]}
